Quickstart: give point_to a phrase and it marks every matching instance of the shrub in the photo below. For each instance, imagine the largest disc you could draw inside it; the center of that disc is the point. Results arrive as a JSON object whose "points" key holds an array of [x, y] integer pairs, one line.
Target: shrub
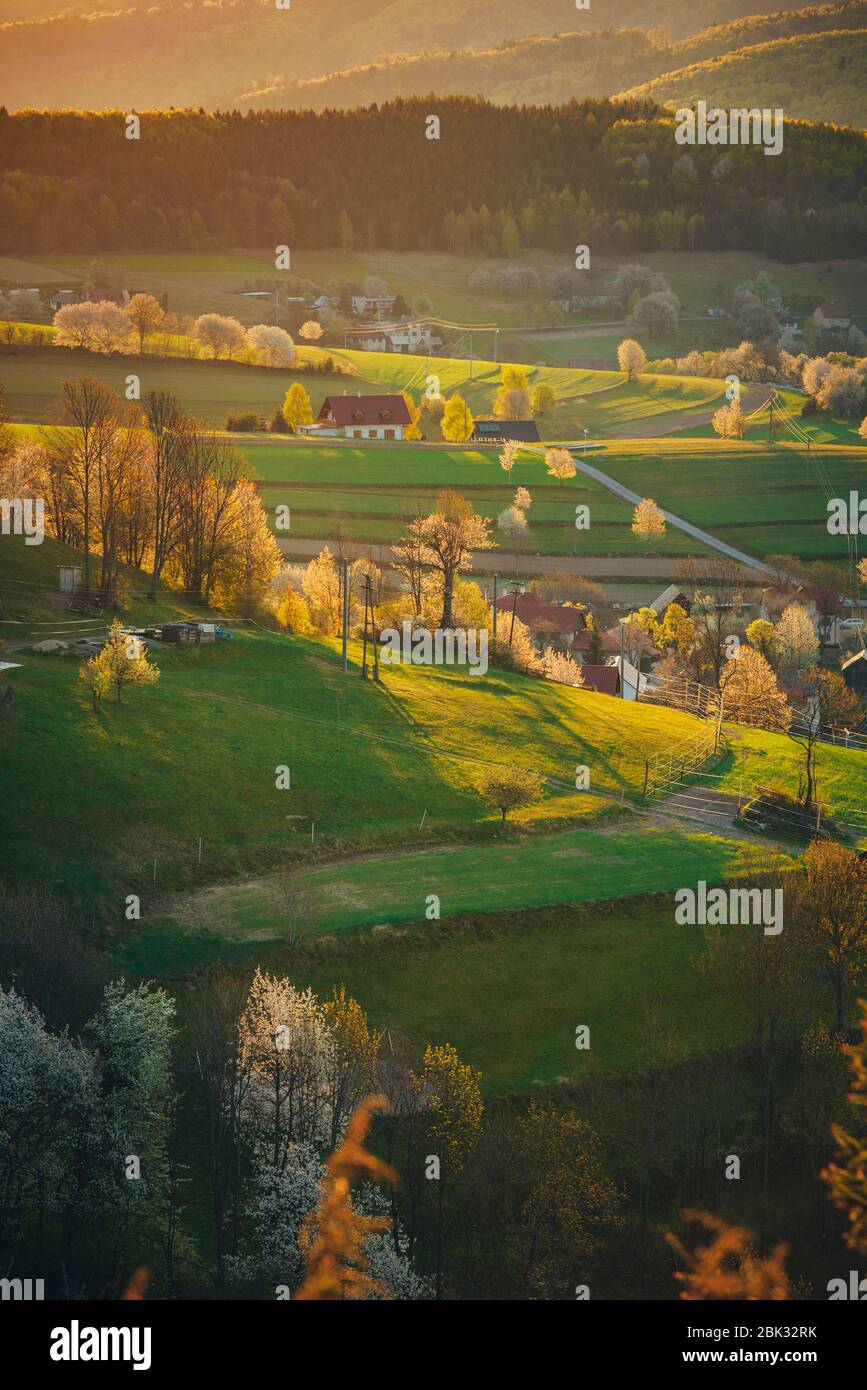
{"points": [[242, 421]]}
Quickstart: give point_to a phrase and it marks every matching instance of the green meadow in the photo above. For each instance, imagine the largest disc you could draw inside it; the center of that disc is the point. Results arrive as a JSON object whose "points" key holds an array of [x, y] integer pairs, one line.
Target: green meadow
{"points": [[508, 990], [765, 498]]}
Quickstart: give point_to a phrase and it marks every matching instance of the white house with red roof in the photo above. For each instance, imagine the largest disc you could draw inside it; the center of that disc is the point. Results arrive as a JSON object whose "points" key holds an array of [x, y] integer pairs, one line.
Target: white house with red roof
{"points": [[360, 417]]}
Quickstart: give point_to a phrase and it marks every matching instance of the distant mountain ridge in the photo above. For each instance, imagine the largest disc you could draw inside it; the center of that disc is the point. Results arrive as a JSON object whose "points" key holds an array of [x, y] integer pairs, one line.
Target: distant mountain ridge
{"points": [[211, 53], [540, 69]]}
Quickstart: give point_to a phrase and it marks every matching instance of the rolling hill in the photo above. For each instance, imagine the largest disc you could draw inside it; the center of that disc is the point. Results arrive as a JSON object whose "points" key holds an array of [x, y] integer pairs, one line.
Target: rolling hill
{"points": [[544, 68], [812, 77], [207, 54]]}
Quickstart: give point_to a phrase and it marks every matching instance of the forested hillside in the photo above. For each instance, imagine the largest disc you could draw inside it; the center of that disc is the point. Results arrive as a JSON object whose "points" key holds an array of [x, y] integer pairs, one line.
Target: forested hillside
{"points": [[498, 179], [208, 53], [814, 77], [590, 63]]}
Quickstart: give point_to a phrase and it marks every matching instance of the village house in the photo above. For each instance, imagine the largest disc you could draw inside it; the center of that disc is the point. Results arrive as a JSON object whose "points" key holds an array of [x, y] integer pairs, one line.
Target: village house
{"points": [[605, 680], [672, 594], [831, 315], [400, 337], [61, 298], [373, 306], [552, 621], [360, 417], [637, 646]]}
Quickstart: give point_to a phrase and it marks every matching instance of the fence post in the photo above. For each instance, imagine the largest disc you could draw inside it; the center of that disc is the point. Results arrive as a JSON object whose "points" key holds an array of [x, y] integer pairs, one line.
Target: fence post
{"points": [[646, 771]]}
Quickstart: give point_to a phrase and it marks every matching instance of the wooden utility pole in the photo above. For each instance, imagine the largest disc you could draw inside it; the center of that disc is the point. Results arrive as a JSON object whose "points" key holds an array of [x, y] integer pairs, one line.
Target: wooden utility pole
{"points": [[369, 630], [345, 614], [516, 589]]}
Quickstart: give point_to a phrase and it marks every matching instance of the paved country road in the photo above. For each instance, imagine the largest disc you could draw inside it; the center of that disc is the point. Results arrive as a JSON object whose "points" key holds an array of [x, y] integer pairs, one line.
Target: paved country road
{"points": [[749, 561]]}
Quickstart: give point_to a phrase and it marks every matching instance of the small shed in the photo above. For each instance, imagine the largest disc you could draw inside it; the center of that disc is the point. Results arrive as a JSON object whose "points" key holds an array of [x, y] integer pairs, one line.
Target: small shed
{"points": [[180, 632], [70, 578]]}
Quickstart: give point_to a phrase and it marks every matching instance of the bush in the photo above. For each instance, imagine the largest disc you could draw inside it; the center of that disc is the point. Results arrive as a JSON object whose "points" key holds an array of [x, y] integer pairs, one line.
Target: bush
{"points": [[810, 406], [242, 422]]}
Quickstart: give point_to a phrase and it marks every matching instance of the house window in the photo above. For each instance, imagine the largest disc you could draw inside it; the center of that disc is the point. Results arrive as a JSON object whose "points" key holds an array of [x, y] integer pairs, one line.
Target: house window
{"points": [[371, 434]]}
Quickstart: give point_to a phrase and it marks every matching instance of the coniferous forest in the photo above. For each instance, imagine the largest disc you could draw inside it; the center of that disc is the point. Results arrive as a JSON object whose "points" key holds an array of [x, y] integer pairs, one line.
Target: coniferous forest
{"points": [[496, 179]]}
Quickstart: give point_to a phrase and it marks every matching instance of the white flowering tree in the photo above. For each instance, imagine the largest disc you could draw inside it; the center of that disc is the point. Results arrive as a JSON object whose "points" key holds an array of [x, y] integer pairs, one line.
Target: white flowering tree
{"points": [[219, 335], [48, 1106], [279, 1205], [271, 346], [284, 1042]]}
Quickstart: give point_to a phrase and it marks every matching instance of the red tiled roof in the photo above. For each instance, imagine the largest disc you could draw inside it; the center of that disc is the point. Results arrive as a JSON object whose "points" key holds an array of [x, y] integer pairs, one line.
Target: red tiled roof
{"points": [[834, 310], [801, 593], [535, 612], [605, 680], [366, 410], [610, 643]]}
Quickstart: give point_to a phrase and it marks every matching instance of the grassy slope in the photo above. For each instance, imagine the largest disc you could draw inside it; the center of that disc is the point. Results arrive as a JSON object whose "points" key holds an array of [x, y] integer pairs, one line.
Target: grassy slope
{"points": [[509, 995], [196, 756], [29, 598], [565, 867], [601, 400]]}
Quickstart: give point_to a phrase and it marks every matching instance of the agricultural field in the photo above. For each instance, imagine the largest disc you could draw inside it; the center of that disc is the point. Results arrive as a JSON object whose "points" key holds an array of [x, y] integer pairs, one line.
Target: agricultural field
{"points": [[601, 401], [763, 498], [370, 494]]}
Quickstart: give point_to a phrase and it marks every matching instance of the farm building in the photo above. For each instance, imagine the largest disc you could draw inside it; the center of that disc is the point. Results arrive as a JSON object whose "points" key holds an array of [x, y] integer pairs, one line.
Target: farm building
{"points": [[61, 298], [669, 596], [361, 417], [373, 306], [498, 431]]}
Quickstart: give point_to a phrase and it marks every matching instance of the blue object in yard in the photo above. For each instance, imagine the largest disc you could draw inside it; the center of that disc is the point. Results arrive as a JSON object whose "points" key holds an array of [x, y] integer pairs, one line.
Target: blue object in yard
{"points": [[224, 633]]}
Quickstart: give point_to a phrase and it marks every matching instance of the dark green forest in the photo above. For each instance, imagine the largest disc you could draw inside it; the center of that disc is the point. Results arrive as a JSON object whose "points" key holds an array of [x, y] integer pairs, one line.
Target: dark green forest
{"points": [[497, 179]]}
